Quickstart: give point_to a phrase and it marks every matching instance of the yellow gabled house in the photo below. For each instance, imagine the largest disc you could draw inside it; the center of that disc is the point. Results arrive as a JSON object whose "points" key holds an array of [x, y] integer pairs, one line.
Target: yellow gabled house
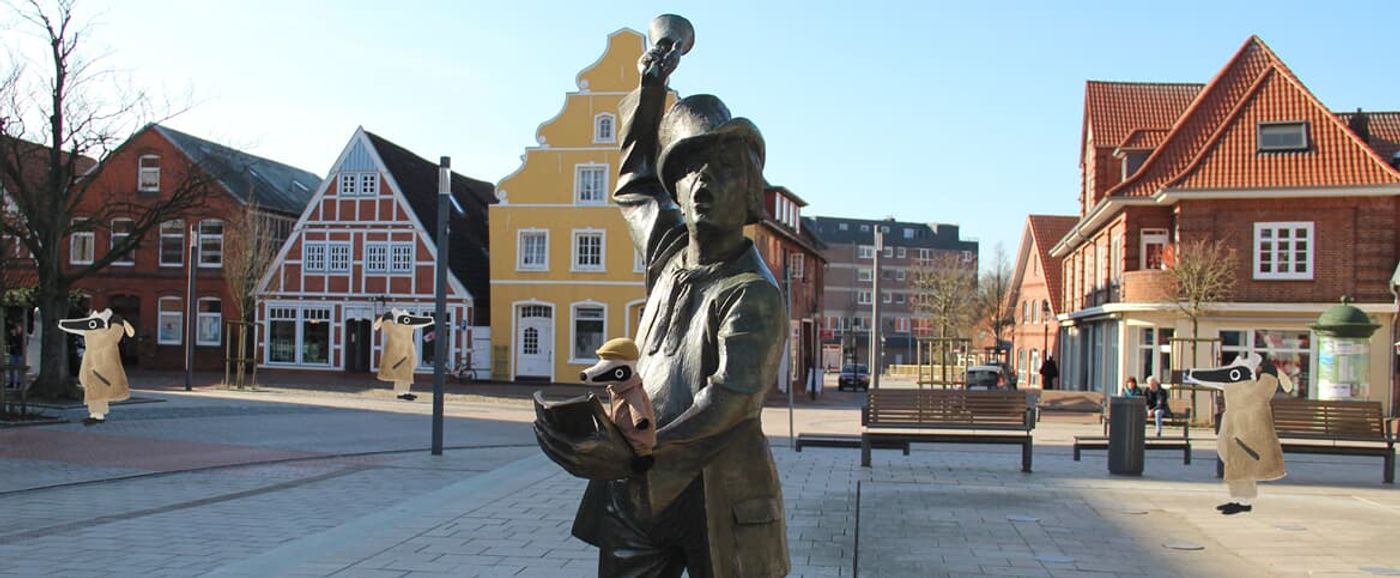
{"points": [[564, 275]]}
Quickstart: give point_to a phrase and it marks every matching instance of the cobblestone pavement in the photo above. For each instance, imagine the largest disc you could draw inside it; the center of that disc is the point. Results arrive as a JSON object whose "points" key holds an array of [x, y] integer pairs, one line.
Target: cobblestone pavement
{"points": [[323, 491]]}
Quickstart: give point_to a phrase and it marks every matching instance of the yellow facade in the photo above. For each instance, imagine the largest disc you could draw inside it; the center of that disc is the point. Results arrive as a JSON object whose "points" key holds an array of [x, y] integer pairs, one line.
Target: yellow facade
{"points": [[561, 257]]}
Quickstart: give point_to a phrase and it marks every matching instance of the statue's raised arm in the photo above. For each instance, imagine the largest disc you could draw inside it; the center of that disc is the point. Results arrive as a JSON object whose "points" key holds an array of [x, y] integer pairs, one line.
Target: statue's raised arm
{"points": [[649, 209]]}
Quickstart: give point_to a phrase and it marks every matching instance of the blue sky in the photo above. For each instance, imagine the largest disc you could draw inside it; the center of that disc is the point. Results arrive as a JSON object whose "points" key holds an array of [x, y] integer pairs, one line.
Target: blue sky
{"points": [[964, 113]]}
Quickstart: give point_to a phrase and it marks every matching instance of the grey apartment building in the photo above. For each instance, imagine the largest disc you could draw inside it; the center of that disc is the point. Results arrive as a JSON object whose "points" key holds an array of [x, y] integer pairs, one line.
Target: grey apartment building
{"points": [[850, 254]]}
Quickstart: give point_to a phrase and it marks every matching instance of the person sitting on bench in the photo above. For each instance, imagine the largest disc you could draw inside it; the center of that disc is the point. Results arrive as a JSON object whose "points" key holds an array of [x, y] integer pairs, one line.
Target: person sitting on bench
{"points": [[1156, 402]]}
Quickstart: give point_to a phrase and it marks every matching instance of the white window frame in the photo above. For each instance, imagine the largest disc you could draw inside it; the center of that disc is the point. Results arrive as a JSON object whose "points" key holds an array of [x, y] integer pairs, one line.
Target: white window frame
{"points": [[1149, 237], [398, 264], [797, 265], [82, 240], [332, 249], [303, 318], [902, 325], [573, 329], [113, 238], [376, 257], [863, 297], [520, 253], [900, 275], [283, 314], [867, 251], [369, 184], [887, 297], [579, 170], [148, 178], [901, 252], [348, 185], [314, 256], [602, 265], [202, 316], [889, 252], [899, 298], [1300, 125], [208, 239], [600, 135], [178, 313], [1290, 272], [865, 275], [180, 224]]}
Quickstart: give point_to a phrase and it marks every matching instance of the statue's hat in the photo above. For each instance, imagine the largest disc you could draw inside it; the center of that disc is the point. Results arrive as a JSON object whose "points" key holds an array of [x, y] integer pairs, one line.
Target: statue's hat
{"points": [[700, 121]]}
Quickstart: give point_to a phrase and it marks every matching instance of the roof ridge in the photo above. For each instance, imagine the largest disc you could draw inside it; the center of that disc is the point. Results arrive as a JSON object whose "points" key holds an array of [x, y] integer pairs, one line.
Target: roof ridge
{"points": [[1209, 88], [1144, 83], [205, 141]]}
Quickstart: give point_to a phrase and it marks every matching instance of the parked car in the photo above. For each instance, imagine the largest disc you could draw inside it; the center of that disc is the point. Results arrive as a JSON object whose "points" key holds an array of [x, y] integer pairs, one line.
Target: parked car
{"points": [[855, 376], [988, 377]]}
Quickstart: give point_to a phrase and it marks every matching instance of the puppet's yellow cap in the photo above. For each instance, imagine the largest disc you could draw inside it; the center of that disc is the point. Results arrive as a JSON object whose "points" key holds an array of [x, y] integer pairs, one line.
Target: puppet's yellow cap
{"points": [[619, 348]]}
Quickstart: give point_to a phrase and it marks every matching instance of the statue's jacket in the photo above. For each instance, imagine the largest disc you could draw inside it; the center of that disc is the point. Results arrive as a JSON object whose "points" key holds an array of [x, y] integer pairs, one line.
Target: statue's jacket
{"points": [[715, 326], [399, 358], [101, 372], [1247, 443]]}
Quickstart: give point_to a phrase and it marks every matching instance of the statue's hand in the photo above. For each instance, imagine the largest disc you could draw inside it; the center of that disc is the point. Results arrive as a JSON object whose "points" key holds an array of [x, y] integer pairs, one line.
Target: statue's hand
{"points": [[658, 63], [605, 456]]}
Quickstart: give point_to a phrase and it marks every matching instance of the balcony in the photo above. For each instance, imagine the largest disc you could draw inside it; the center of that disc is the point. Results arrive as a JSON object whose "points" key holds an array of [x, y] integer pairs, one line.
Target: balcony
{"points": [[1147, 286]]}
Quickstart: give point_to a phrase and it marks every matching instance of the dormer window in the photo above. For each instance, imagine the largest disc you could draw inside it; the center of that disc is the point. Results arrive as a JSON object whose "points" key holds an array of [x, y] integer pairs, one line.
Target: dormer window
{"points": [[1132, 161], [1283, 136], [605, 128], [148, 180]]}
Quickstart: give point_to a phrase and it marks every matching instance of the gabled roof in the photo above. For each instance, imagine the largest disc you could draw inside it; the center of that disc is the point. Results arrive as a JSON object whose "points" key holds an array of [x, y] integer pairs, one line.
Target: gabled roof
{"points": [[1113, 110], [248, 178], [468, 240], [1043, 231], [1212, 145], [32, 160]]}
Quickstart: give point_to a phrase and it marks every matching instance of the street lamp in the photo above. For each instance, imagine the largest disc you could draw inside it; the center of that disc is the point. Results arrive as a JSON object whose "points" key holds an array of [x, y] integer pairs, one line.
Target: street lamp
{"points": [[190, 307]]}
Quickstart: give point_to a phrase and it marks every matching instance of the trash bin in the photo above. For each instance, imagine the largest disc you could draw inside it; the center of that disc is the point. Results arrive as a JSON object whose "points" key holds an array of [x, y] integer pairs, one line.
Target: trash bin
{"points": [[1127, 427]]}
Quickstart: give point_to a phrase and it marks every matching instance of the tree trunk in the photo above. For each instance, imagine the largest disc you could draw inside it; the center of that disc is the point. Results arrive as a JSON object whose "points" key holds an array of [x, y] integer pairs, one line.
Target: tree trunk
{"points": [[54, 381]]}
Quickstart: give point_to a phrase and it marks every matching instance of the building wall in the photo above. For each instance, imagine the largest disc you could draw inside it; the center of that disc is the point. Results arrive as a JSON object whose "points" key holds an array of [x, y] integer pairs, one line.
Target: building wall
{"points": [[541, 196], [135, 291], [1035, 332]]}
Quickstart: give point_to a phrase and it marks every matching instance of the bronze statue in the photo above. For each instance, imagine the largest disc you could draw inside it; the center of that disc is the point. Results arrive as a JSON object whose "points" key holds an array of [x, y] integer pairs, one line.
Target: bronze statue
{"points": [[709, 503]]}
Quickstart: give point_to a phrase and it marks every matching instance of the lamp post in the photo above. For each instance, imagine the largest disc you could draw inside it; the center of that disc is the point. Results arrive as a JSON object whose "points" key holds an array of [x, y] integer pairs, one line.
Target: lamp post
{"points": [[442, 329], [190, 307], [876, 328]]}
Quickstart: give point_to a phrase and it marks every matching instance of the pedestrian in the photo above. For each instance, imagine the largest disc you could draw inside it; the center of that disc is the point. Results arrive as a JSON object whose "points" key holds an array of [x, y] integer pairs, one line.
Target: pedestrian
{"points": [[14, 347], [1049, 372], [1157, 406], [1130, 388], [1246, 443]]}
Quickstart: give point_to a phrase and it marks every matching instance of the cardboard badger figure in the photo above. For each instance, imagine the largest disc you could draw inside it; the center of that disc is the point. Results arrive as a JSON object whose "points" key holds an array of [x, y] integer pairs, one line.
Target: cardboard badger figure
{"points": [[101, 373], [1247, 443], [399, 355], [628, 404]]}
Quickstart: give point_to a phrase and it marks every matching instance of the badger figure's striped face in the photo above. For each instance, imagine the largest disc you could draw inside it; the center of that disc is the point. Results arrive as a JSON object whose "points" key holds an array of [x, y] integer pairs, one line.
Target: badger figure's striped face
{"points": [[95, 321], [402, 317], [1248, 366], [609, 371]]}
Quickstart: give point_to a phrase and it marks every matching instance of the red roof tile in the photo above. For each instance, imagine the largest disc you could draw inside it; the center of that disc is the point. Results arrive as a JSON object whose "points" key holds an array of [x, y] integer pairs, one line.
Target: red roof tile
{"points": [[1385, 132], [1113, 110], [1213, 144], [1046, 231], [1144, 139]]}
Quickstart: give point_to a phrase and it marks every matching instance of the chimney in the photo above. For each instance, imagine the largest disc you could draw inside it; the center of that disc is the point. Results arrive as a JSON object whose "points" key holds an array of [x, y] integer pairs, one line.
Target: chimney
{"points": [[1360, 124]]}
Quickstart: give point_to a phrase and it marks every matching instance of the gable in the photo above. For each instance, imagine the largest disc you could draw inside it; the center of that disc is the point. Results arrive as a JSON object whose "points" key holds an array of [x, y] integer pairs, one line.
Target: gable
{"points": [[1334, 157]]}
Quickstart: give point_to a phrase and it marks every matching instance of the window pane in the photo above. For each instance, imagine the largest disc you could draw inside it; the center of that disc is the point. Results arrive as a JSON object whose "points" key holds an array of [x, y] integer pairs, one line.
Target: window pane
{"points": [[172, 243], [282, 341], [316, 337], [401, 257], [588, 332]]}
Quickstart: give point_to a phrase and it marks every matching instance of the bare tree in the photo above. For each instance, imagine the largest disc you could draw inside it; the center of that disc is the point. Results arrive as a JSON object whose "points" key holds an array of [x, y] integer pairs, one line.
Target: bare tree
{"points": [[944, 289], [1202, 272], [58, 132], [994, 308], [250, 250]]}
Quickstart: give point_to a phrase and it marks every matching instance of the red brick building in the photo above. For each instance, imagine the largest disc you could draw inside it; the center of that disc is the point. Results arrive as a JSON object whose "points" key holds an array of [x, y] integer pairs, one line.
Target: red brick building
{"points": [[1308, 198], [149, 285], [366, 244], [790, 248], [1035, 297]]}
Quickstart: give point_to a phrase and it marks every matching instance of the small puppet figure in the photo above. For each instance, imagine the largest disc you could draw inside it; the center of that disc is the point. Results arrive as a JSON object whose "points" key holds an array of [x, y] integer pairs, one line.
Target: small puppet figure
{"points": [[399, 356], [101, 373], [628, 404], [1247, 443]]}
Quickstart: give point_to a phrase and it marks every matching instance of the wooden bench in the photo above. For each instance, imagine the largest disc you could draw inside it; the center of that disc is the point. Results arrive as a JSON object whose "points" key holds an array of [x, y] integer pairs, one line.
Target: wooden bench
{"points": [[15, 396], [994, 417], [846, 441], [1349, 428], [1181, 416]]}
